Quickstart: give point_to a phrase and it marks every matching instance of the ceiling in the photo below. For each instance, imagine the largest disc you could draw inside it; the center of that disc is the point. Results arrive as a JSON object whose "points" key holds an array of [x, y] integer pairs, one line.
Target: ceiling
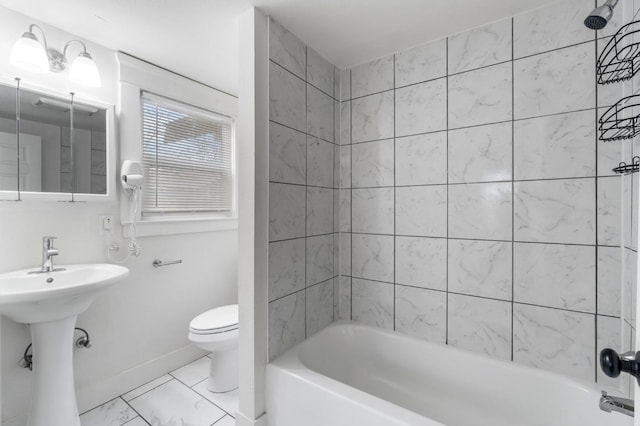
{"points": [[197, 38]]}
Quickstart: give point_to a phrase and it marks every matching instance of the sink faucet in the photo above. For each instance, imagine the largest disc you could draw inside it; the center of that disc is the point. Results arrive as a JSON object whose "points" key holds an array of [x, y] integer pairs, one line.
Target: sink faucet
{"points": [[610, 403], [47, 255]]}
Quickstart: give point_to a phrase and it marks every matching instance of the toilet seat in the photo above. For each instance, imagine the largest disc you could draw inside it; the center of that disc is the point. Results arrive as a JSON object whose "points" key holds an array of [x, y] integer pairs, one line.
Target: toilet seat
{"points": [[215, 321]]}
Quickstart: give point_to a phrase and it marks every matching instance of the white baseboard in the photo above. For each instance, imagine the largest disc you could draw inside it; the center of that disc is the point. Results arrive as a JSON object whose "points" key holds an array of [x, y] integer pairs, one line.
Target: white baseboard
{"points": [[98, 393], [242, 420]]}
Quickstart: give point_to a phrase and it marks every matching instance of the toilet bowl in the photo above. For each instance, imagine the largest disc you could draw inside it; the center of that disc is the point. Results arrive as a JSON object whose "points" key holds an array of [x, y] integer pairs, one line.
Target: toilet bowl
{"points": [[216, 331]]}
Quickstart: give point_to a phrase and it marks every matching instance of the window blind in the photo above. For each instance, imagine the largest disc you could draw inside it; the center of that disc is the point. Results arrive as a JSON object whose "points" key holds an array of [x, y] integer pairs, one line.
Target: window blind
{"points": [[187, 158]]}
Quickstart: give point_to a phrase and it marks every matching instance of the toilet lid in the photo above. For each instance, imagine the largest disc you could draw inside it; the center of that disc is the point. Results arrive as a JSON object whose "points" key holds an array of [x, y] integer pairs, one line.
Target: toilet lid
{"points": [[218, 320]]}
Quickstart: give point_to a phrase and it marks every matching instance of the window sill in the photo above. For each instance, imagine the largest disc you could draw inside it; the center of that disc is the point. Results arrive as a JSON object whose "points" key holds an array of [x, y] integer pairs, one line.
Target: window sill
{"points": [[175, 226]]}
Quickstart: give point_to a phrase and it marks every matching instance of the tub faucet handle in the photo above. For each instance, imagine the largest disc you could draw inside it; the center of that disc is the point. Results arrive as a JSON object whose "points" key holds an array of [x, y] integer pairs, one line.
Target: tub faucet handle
{"points": [[613, 364]]}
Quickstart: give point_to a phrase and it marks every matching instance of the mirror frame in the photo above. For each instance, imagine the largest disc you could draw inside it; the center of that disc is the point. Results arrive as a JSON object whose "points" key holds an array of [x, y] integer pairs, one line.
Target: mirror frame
{"points": [[110, 130]]}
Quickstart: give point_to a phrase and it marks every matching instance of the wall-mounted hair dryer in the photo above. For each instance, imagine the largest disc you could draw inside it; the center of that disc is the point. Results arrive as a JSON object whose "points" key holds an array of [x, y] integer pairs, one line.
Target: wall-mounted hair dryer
{"points": [[131, 175]]}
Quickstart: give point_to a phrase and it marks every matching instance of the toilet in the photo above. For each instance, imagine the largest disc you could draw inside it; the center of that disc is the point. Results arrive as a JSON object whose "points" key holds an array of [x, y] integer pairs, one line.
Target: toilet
{"points": [[216, 331]]}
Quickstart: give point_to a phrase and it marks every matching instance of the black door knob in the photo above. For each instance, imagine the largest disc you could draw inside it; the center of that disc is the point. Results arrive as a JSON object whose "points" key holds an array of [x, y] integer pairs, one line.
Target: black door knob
{"points": [[613, 364]]}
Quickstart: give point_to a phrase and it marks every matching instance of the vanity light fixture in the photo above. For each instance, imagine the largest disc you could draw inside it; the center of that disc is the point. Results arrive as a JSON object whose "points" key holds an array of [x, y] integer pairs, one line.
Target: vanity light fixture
{"points": [[33, 55]]}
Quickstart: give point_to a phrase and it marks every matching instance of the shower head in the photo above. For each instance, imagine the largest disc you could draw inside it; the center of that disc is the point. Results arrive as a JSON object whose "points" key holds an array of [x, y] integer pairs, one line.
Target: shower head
{"points": [[599, 17]]}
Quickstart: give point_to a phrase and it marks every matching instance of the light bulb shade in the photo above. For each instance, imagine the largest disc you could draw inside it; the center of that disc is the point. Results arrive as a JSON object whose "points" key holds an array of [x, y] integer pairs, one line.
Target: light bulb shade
{"points": [[29, 54], [84, 71]]}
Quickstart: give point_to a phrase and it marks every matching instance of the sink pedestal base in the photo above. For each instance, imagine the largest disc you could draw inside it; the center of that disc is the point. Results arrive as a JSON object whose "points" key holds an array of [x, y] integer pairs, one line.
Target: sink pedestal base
{"points": [[53, 401]]}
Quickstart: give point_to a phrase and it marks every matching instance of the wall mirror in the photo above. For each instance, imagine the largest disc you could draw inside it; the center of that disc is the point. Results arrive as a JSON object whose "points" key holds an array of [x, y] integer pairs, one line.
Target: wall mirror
{"points": [[60, 152]]}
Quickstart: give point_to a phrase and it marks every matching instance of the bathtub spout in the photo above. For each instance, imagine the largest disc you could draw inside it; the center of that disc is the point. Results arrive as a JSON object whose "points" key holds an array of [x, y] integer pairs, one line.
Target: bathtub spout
{"points": [[610, 403]]}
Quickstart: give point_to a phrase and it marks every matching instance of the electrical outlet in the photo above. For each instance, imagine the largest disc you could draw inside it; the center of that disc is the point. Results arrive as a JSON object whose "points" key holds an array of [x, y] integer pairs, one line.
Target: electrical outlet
{"points": [[105, 223]]}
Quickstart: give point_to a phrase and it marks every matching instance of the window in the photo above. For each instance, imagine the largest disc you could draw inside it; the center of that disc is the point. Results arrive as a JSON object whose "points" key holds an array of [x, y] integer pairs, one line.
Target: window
{"points": [[187, 155]]}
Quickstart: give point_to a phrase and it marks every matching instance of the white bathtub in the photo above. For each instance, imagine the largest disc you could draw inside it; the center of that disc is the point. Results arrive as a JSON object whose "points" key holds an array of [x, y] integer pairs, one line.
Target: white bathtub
{"points": [[354, 375]]}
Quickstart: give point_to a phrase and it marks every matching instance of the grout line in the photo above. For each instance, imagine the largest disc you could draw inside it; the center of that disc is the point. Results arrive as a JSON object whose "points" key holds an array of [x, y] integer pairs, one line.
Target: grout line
{"points": [[479, 182], [306, 181], [446, 308], [513, 185], [485, 239], [304, 80], [395, 208], [351, 194], [597, 284]]}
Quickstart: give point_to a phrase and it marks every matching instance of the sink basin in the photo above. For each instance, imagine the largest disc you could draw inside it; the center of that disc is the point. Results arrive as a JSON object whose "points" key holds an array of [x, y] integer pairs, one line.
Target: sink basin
{"points": [[33, 298], [50, 303]]}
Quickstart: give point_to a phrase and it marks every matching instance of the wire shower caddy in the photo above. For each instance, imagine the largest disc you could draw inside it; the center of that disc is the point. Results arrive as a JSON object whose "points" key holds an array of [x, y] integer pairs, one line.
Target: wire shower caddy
{"points": [[620, 59]]}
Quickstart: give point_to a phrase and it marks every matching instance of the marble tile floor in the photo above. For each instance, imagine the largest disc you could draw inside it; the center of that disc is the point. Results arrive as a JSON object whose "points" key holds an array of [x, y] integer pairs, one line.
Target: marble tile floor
{"points": [[179, 398]]}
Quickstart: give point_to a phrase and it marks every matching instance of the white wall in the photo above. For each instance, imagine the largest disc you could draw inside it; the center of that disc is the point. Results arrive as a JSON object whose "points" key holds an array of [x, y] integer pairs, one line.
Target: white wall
{"points": [[138, 327]]}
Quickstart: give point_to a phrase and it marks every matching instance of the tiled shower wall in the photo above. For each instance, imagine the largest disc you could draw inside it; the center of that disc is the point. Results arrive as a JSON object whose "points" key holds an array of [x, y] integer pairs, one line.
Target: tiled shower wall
{"points": [[303, 235], [477, 207]]}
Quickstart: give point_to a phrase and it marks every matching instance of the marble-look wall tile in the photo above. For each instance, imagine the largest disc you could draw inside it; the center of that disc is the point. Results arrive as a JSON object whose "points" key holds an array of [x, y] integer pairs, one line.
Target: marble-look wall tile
{"points": [[372, 77], [482, 96], [345, 167], [287, 155], [319, 211], [557, 146], [609, 332], [372, 303], [480, 211], [421, 262], [372, 164], [320, 72], [421, 159], [98, 163], [319, 259], [609, 94], [319, 114], [480, 268], [480, 47], [421, 313], [372, 117], [342, 302], [421, 108], [372, 257], [629, 285], [65, 160], [286, 267], [345, 85], [421, 63], [287, 98], [555, 82], [421, 211], [319, 162], [554, 340], [98, 141], [286, 211], [345, 210], [480, 154], [609, 210], [319, 301], [555, 211], [609, 281], [336, 122], [345, 123], [609, 155], [550, 27], [480, 325], [286, 49], [372, 210], [345, 254], [286, 323], [634, 210], [555, 275]]}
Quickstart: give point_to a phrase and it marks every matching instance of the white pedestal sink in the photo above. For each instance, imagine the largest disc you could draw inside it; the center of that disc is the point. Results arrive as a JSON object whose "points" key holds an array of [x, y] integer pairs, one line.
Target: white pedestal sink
{"points": [[50, 302]]}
